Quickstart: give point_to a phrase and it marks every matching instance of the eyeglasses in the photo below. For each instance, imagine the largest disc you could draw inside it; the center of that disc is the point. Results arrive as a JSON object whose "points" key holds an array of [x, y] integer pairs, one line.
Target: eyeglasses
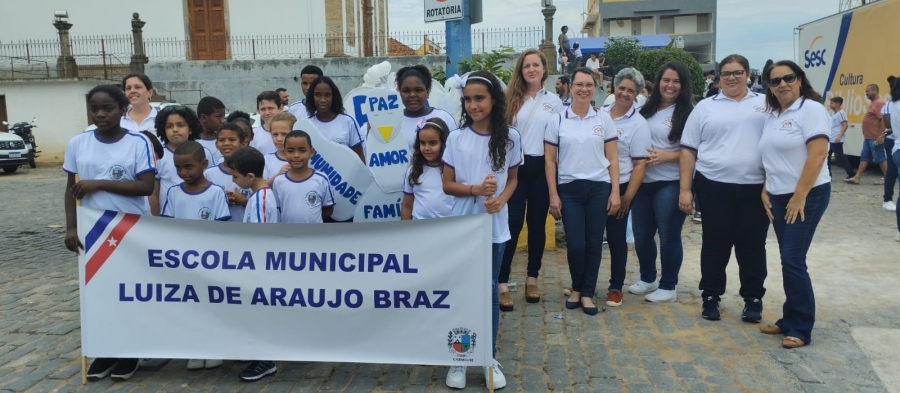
{"points": [[736, 74], [789, 78], [582, 86]]}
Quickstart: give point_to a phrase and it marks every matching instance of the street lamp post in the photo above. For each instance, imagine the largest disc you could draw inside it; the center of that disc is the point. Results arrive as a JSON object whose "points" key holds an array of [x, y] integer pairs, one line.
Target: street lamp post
{"points": [[548, 47], [65, 64]]}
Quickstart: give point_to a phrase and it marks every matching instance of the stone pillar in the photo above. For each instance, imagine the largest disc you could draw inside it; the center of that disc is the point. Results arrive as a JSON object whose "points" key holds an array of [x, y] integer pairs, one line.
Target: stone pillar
{"points": [[367, 27], [334, 29], [548, 47], [65, 65], [138, 58]]}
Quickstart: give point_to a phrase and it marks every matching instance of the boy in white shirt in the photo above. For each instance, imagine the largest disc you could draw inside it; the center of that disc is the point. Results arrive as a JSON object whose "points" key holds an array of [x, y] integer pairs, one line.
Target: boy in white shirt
{"points": [[268, 104], [276, 163], [302, 193], [197, 198], [211, 112], [838, 128]]}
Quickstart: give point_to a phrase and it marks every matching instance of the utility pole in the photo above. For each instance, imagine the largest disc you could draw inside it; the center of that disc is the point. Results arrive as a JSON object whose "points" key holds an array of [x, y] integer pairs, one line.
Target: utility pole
{"points": [[459, 39]]}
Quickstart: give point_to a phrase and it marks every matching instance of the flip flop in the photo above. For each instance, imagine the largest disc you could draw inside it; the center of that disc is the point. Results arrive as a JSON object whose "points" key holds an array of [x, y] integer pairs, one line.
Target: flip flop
{"points": [[506, 303], [792, 342], [532, 293]]}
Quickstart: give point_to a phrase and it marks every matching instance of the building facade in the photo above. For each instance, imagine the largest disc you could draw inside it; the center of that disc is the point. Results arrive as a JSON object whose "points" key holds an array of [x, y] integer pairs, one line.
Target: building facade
{"points": [[693, 20]]}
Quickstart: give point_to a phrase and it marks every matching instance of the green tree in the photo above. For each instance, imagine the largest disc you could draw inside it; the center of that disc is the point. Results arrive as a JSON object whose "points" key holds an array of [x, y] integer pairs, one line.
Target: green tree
{"points": [[622, 51], [491, 62], [649, 62]]}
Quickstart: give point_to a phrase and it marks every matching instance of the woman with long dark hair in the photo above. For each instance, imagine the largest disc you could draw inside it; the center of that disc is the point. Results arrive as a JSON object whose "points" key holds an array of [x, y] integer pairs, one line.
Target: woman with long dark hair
{"points": [[529, 108], [794, 146], [655, 207], [718, 142], [325, 108]]}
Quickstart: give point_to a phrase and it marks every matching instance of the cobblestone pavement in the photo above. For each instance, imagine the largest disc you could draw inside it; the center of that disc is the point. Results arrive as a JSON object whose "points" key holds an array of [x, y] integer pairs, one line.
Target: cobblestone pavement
{"points": [[638, 347]]}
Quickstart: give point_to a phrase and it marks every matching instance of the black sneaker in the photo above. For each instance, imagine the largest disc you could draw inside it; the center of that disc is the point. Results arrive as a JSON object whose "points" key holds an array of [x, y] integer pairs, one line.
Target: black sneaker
{"points": [[711, 308], [125, 369], [752, 310], [100, 368], [258, 370]]}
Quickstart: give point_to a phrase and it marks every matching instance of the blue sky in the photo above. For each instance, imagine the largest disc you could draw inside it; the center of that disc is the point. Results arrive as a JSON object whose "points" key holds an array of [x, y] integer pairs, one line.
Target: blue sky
{"points": [[759, 30]]}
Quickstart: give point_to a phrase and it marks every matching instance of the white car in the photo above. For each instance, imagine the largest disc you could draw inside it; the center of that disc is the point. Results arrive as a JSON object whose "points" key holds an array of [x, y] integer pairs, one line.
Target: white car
{"points": [[13, 152]]}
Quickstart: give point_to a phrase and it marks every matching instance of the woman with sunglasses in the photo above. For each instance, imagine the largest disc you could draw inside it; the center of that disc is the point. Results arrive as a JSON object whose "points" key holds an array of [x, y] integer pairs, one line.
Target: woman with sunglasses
{"points": [[794, 146], [719, 143]]}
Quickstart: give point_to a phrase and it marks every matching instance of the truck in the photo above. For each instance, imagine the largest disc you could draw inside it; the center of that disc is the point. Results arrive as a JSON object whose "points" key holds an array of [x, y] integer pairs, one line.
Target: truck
{"points": [[845, 52]]}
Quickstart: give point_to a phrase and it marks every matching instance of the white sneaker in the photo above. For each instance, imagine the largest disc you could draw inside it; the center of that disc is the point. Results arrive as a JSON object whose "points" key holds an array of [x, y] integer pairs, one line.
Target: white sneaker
{"points": [[662, 296], [889, 206], [212, 363], [196, 364], [640, 287], [897, 238], [499, 379], [456, 377]]}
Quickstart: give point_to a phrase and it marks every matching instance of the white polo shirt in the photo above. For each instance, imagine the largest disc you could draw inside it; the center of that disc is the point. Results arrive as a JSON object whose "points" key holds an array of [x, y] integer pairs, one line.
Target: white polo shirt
{"points": [[301, 201], [660, 125], [221, 177], [783, 145], [544, 106], [262, 207], [581, 144], [167, 175], [298, 109], [211, 203], [210, 144], [262, 141], [410, 124], [468, 154], [724, 133], [633, 140], [122, 160], [274, 163], [837, 119], [429, 198], [341, 130], [148, 124]]}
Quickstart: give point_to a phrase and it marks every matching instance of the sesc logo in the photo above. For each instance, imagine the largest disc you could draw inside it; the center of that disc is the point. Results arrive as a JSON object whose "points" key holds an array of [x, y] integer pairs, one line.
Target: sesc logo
{"points": [[814, 58]]}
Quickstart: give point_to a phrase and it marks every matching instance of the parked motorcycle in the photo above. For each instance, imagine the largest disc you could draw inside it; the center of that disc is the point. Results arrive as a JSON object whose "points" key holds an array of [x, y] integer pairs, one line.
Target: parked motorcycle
{"points": [[23, 130]]}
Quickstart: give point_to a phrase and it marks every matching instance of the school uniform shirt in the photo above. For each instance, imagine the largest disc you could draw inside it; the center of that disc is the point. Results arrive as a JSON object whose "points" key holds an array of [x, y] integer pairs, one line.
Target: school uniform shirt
{"points": [[298, 109], [632, 141], [660, 125], [167, 175], [723, 132], [210, 203], [148, 124], [121, 160], [784, 144], [302, 201], [581, 145], [430, 201], [210, 144], [221, 177], [837, 120], [341, 130], [274, 163], [544, 107], [411, 125], [467, 153], [262, 207], [262, 141]]}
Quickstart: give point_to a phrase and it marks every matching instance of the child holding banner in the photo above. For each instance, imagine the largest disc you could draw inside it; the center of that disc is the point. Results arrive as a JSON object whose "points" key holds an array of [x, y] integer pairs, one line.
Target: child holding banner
{"points": [[276, 164], [481, 163], [229, 138], [174, 126], [423, 194], [117, 170], [325, 107], [414, 84], [304, 195], [246, 166]]}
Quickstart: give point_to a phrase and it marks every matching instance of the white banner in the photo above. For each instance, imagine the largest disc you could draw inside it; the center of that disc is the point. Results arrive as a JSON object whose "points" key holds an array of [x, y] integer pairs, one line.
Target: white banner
{"points": [[411, 292]]}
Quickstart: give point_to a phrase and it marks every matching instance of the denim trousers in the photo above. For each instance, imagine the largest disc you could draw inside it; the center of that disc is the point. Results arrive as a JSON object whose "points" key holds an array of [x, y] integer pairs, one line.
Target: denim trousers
{"points": [[838, 150], [655, 209], [533, 192], [584, 219], [799, 311], [617, 239], [733, 217], [890, 176], [496, 259]]}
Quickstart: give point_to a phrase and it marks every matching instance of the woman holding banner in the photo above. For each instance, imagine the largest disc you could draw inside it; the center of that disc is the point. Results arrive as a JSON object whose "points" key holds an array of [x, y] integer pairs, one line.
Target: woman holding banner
{"points": [[414, 85], [529, 108]]}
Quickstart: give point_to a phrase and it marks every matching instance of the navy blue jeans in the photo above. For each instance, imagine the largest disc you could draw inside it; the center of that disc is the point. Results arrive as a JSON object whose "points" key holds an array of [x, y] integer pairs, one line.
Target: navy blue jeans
{"points": [[532, 190], [655, 208], [838, 150], [799, 312], [496, 259], [616, 230], [733, 217], [584, 218], [890, 176]]}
